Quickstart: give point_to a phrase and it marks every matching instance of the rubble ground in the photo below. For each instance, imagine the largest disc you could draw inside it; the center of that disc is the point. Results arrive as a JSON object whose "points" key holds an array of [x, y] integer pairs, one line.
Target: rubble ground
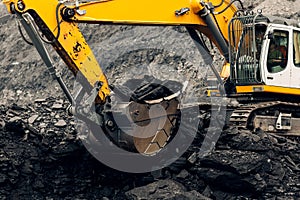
{"points": [[42, 157]]}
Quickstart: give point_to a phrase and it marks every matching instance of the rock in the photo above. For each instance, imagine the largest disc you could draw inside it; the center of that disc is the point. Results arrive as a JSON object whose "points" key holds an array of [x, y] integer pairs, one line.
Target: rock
{"points": [[232, 171], [32, 129], [14, 119], [64, 149], [40, 100], [2, 123], [57, 106], [183, 174], [42, 125], [284, 8], [241, 162], [61, 123], [17, 107], [254, 137], [32, 119], [192, 195], [3, 158], [59, 101], [27, 167], [3, 178], [38, 184], [164, 189], [232, 131]]}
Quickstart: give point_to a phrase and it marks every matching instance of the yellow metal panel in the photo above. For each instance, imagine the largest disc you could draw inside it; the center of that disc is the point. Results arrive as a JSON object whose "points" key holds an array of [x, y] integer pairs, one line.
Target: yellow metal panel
{"points": [[267, 89], [82, 56], [225, 73], [160, 12], [246, 89], [213, 93]]}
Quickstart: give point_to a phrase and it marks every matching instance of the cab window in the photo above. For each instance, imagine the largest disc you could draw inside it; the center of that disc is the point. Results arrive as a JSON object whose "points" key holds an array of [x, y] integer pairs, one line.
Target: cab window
{"points": [[278, 51], [296, 47]]}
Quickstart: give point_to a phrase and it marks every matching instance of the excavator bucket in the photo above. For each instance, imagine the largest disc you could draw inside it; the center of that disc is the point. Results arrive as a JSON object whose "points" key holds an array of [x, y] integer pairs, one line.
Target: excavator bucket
{"points": [[154, 125], [147, 122]]}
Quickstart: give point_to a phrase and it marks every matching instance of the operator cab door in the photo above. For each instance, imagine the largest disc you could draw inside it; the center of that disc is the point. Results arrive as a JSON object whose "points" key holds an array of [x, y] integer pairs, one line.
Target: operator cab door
{"points": [[295, 61], [275, 56]]}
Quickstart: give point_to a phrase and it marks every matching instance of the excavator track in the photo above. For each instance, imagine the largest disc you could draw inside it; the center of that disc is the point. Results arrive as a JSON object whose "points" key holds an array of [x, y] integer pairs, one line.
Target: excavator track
{"points": [[275, 116], [240, 116], [252, 116]]}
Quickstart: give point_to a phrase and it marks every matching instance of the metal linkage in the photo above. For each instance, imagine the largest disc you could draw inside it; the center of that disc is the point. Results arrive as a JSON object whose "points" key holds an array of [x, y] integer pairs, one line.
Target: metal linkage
{"points": [[28, 23], [206, 57]]}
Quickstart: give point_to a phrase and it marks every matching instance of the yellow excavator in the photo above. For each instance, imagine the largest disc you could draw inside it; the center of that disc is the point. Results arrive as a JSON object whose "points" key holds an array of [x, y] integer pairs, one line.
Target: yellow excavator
{"points": [[262, 55]]}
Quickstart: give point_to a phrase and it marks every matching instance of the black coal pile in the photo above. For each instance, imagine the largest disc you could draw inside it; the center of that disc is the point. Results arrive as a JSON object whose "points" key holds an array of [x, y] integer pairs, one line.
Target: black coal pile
{"points": [[41, 157], [251, 165]]}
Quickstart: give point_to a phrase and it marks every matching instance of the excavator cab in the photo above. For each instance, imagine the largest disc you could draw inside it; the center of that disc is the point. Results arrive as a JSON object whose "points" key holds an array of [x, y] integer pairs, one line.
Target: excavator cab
{"points": [[247, 35], [279, 53], [264, 55]]}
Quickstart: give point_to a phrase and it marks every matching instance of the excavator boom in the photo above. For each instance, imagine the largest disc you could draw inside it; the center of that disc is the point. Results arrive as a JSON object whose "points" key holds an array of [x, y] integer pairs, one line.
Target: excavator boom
{"points": [[59, 23]]}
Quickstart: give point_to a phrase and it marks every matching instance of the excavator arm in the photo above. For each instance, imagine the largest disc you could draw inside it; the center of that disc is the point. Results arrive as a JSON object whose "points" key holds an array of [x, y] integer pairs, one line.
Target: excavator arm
{"points": [[59, 24]]}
